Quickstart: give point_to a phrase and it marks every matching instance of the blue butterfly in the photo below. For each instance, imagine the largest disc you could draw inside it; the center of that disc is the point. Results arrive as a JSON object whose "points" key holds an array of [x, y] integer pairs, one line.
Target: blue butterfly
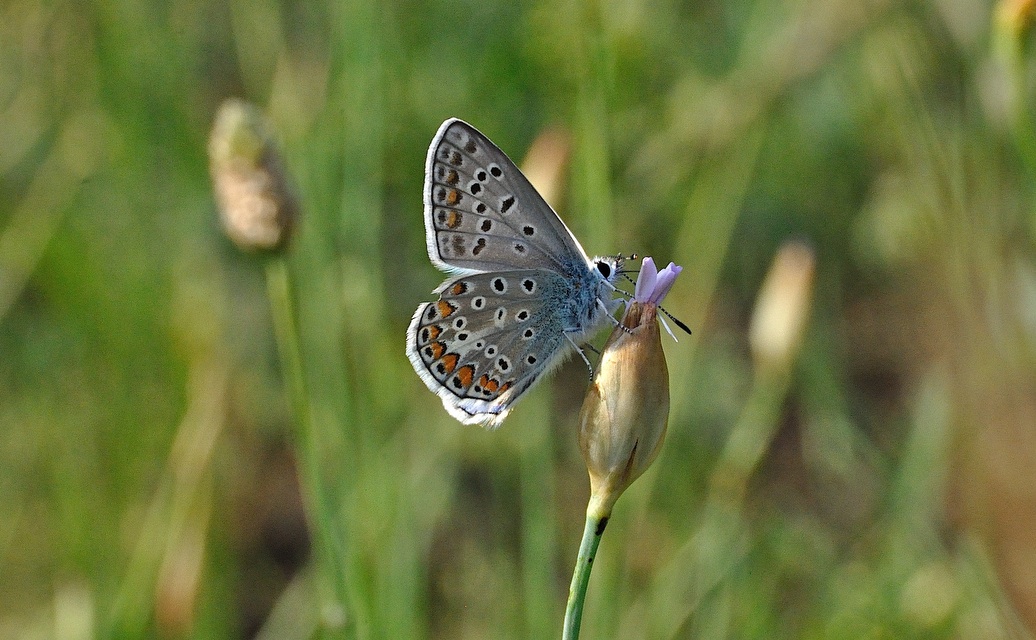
{"points": [[524, 293]]}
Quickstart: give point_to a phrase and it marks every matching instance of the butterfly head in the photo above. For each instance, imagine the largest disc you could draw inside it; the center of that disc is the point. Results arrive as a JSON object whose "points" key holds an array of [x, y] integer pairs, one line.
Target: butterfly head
{"points": [[609, 267]]}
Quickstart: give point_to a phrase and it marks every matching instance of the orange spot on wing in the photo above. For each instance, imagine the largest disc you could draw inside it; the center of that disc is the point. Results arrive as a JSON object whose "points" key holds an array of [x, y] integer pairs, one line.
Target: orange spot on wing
{"points": [[465, 374], [488, 384], [505, 386], [453, 219], [433, 331], [450, 361], [458, 289], [445, 308], [453, 197], [435, 350]]}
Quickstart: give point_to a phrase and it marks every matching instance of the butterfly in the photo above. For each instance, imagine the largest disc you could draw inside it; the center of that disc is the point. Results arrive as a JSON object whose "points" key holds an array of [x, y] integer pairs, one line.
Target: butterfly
{"points": [[523, 294]]}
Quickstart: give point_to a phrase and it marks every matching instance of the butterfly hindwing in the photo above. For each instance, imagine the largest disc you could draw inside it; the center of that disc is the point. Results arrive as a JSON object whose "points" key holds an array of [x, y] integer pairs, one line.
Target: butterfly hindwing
{"points": [[486, 340]]}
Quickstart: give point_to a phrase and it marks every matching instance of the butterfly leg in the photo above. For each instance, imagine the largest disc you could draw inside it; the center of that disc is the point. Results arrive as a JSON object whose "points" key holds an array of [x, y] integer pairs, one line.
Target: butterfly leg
{"points": [[608, 314], [582, 355]]}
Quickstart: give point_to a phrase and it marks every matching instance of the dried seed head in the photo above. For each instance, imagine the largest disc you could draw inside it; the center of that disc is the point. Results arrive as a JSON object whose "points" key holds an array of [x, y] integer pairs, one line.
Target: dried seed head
{"points": [[257, 207]]}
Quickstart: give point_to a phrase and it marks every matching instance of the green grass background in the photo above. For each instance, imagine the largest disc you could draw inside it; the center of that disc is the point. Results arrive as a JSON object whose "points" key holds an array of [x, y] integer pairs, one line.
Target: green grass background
{"points": [[147, 448]]}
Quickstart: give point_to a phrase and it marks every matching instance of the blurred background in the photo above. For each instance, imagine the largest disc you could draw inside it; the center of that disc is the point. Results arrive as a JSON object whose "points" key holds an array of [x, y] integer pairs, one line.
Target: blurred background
{"points": [[852, 445]]}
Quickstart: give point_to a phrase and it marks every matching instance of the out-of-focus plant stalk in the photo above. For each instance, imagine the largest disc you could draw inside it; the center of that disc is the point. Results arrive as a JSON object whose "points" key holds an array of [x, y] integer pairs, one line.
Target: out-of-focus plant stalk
{"points": [[546, 166], [259, 211], [775, 335], [623, 420]]}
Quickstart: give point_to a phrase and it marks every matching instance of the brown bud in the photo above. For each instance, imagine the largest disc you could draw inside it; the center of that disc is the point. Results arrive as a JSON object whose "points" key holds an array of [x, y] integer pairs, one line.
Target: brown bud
{"points": [[626, 410]]}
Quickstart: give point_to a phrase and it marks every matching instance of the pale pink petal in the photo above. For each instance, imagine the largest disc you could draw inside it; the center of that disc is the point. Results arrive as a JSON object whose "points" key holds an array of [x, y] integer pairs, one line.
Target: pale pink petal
{"points": [[646, 280], [664, 282], [652, 284]]}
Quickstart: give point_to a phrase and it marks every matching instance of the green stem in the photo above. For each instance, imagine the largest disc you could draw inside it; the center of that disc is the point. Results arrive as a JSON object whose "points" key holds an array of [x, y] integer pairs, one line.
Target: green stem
{"points": [[592, 533], [328, 539]]}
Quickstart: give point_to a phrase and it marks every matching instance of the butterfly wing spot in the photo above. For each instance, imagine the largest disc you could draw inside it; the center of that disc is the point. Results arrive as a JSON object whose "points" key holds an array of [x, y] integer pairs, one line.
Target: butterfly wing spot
{"points": [[522, 315], [470, 146], [491, 351], [464, 377], [503, 364], [481, 176], [506, 203], [478, 303], [449, 218], [457, 244], [519, 248], [480, 244], [448, 363], [434, 351], [452, 197], [500, 285], [452, 177], [528, 334], [429, 333], [453, 157], [480, 207], [531, 359], [475, 188], [501, 313], [460, 323], [529, 230], [529, 285], [495, 170], [490, 385], [462, 336], [459, 289], [487, 224], [445, 308]]}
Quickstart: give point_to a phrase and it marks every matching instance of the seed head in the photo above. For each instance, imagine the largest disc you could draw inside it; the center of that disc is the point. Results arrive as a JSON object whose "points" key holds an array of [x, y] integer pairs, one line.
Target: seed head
{"points": [[257, 207]]}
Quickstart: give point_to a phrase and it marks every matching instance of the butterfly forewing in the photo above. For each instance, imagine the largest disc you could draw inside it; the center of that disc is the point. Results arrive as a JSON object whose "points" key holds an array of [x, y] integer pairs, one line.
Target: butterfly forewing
{"points": [[482, 214]]}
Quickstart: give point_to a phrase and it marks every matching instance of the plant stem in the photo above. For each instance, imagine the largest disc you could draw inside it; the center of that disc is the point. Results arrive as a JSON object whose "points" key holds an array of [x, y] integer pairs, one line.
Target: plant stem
{"points": [[592, 532], [329, 554]]}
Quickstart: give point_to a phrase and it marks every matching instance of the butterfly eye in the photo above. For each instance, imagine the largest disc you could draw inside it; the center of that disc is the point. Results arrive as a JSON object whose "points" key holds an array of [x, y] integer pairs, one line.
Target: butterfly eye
{"points": [[604, 268]]}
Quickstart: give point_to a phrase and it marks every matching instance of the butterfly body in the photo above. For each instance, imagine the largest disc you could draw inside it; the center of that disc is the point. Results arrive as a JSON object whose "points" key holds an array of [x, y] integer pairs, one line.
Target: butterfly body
{"points": [[524, 292]]}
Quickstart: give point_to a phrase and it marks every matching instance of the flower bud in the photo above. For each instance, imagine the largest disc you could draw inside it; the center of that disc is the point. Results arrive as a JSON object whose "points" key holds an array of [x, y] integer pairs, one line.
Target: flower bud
{"points": [[257, 207], [626, 410], [1013, 19], [781, 311]]}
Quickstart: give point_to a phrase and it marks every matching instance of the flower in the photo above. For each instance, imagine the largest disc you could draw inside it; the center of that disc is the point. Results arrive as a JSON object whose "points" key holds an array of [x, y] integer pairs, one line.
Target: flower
{"points": [[626, 410], [652, 285]]}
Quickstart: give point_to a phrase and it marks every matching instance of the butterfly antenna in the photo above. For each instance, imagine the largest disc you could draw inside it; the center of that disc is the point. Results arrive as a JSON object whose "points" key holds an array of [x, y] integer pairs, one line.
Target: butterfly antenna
{"points": [[678, 322]]}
